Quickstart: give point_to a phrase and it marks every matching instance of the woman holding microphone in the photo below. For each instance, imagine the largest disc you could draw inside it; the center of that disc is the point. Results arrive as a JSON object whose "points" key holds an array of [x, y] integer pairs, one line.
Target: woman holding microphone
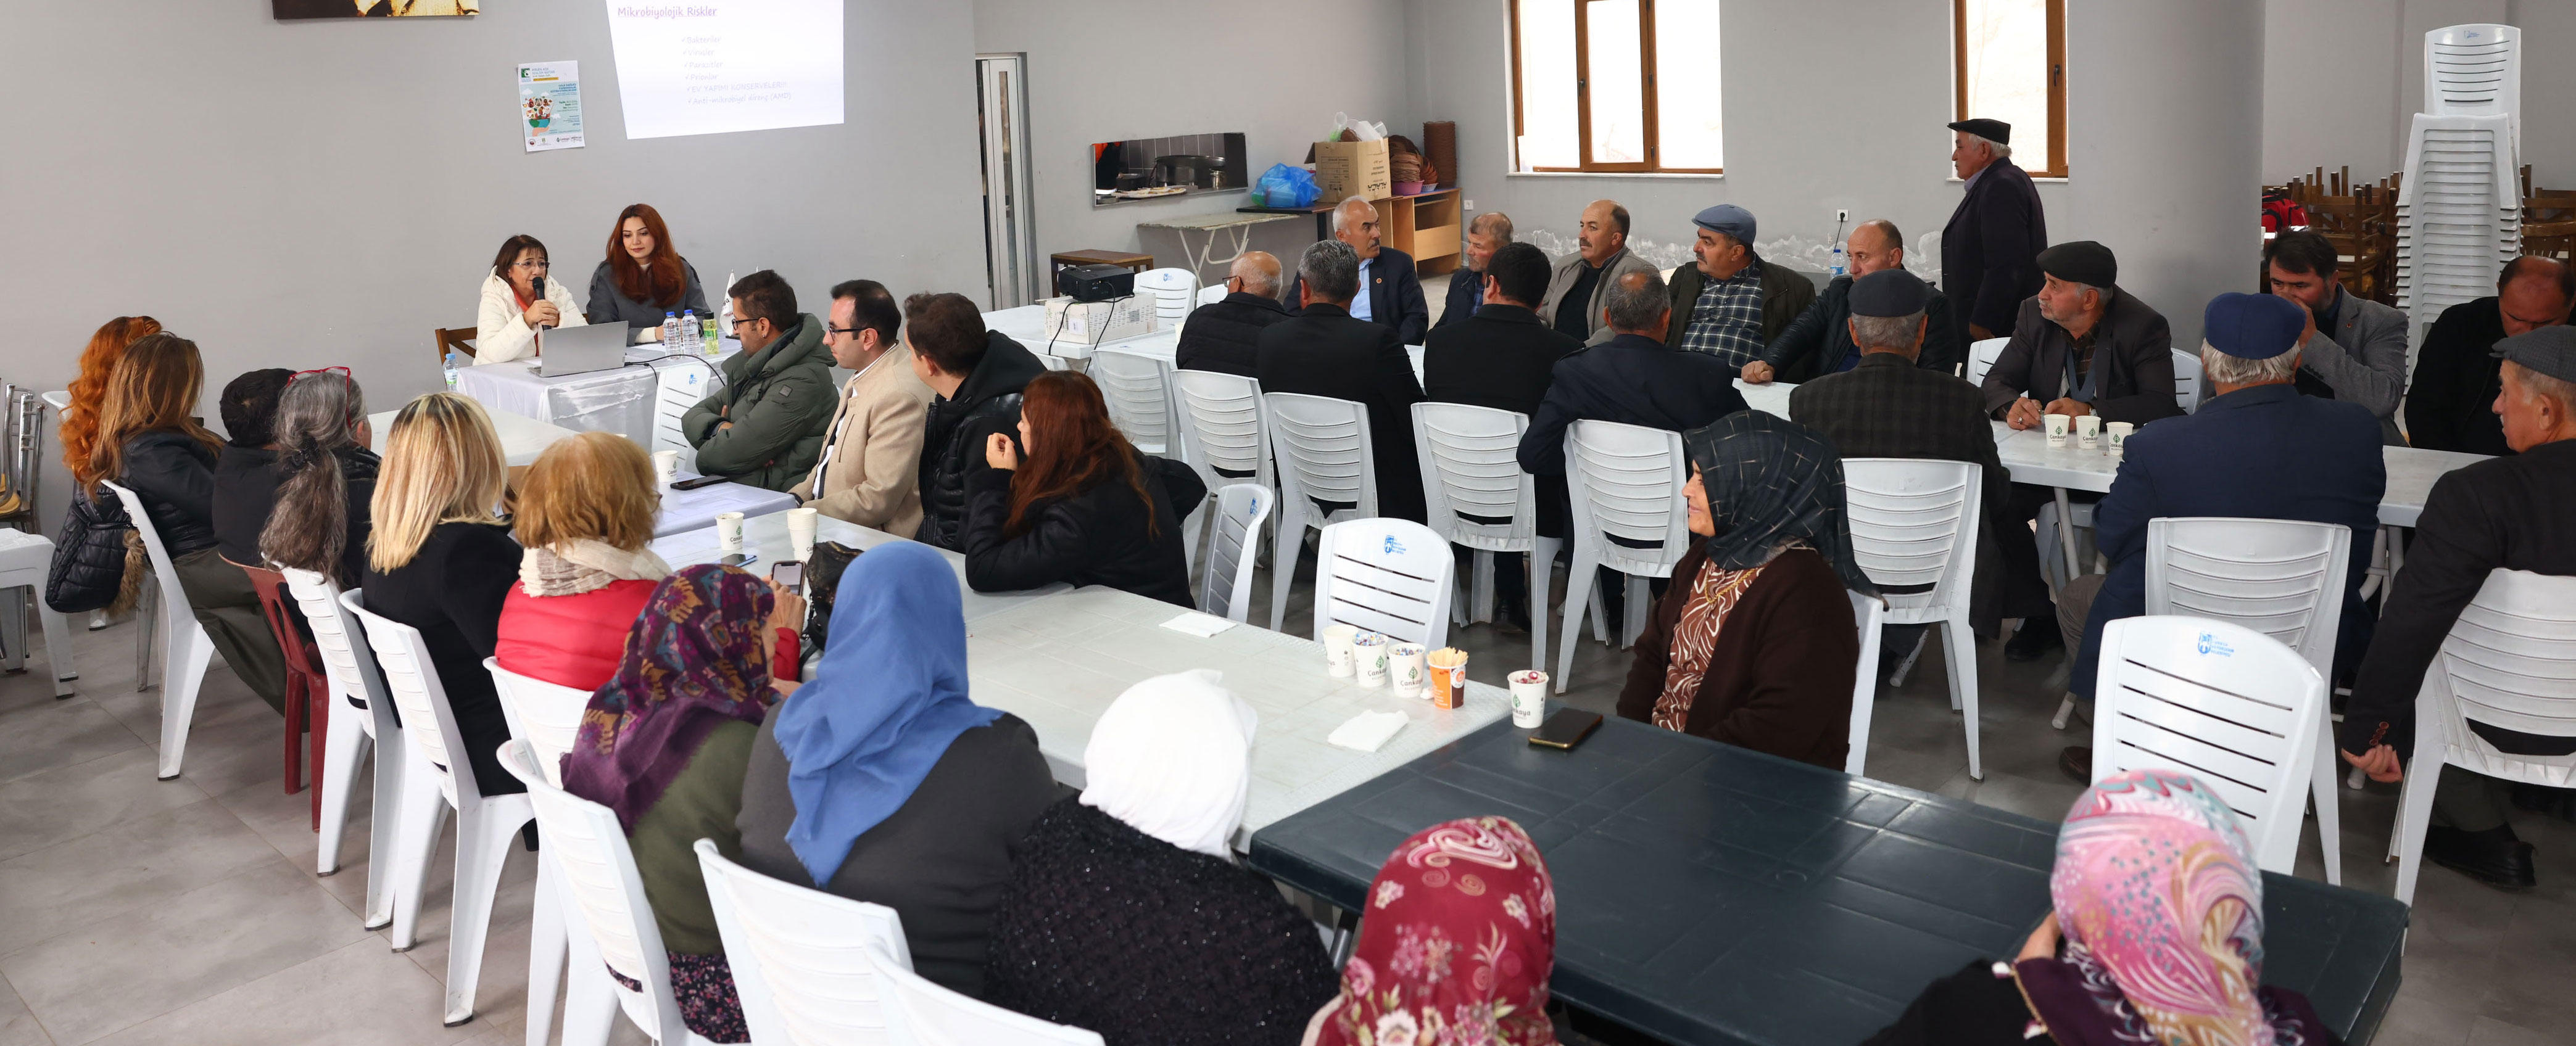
{"points": [[643, 278], [518, 298]]}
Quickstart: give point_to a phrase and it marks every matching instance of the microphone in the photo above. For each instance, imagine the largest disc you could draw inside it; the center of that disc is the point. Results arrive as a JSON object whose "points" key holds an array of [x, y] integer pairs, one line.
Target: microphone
{"points": [[537, 287]]}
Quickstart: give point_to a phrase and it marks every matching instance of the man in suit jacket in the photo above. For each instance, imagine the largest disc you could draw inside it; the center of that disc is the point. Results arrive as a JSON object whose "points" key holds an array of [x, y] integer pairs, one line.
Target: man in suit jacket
{"points": [[1817, 342], [2511, 513], [2258, 450], [1390, 292], [1887, 407], [1990, 249], [2358, 353], [1323, 351], [2080, 346], [1503, 357], [1226, 335], [2457, 377], [1489, 232], [1731, 304], [870, 470], [1581, 282]]}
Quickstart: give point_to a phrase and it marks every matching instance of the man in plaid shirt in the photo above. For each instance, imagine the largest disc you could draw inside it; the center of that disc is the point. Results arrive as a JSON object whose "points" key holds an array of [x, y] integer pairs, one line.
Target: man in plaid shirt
{"points": [[1726, 318]]}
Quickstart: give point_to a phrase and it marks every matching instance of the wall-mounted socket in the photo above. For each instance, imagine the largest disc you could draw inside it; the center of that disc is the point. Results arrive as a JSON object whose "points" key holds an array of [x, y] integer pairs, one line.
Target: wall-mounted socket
{"points": [[1471, 205], [1842, 215]]}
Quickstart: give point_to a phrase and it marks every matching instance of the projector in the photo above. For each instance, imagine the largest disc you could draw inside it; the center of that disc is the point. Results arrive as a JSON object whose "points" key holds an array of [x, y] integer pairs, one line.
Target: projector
{"points": [[1095, 282]]}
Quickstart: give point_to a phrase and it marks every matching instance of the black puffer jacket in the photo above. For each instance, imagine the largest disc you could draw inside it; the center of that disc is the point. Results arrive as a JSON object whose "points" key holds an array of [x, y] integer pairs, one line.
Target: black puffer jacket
{"points": [[952, 445], [1226, 336], [1096, 537], [1107, 928], [175, 476]]}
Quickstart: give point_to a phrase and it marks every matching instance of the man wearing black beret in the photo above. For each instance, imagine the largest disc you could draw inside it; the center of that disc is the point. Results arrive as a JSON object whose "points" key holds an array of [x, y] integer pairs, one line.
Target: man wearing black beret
{"points": [[1989, 248], [2080, 346]]}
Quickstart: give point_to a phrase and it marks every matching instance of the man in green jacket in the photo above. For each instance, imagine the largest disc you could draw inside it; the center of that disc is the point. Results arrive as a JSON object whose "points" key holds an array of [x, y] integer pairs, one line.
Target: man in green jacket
{"points": [[765, 427]]}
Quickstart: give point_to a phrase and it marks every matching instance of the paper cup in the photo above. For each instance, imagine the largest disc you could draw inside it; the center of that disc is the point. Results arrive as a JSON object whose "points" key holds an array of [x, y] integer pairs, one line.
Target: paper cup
{"points": [[1404, 661], [800, 531], [1448, 677], [1529, 698], [2119, 433], [1371, 649], [2057, 424], [729, 531], [666, 464], [1340, 658], [2088, 431]]}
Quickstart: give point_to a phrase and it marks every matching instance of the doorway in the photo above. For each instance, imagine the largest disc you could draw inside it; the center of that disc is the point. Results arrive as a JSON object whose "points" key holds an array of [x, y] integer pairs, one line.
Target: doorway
{"points": [[1010, 238]]}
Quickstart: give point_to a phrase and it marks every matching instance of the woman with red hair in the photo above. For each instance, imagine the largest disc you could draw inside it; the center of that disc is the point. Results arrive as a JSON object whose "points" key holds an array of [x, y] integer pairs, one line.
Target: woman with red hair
{"points": [[1085, 508], [644, 278], [89, 389]]}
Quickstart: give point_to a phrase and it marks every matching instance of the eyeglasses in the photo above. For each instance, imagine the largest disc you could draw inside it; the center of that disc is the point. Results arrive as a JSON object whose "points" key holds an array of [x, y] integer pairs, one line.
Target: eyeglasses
{"points": [[828, 331], [537, 264], [341, 371], [739, 321]]}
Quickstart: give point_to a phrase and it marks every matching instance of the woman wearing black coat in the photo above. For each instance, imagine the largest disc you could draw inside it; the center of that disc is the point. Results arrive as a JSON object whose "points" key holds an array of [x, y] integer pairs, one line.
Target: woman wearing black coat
{"points": [[1086, 509]]}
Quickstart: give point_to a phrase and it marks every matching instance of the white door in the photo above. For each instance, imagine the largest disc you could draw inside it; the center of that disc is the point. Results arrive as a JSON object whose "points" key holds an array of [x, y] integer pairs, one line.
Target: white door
{"points": [[1010, 241]]}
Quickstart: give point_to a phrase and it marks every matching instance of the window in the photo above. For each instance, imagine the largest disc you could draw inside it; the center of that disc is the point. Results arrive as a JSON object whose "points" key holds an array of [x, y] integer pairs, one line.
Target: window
{"points": [[2011, 62], [1616, 85]]}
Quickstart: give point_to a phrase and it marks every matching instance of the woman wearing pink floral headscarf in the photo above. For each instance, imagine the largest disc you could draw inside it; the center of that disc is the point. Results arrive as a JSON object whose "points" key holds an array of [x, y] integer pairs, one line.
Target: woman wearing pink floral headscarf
{"points": [[1456, 944], [2156, 937]]}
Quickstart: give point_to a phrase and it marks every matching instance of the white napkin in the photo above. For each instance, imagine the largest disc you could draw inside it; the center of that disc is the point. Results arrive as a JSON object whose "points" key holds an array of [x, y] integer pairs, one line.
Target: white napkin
{"points": [[1368, 731], [1198, 624]]}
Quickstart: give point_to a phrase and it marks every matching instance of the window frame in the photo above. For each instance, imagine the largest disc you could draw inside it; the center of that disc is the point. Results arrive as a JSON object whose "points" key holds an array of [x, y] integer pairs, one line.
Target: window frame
{"points": [[2056, 166], [1650, 111]]}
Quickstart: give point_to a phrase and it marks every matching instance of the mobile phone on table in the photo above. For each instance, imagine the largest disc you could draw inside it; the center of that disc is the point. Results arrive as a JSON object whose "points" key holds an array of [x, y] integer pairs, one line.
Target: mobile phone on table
{"points": [[695, 483], [1566, 729], [789, 575], [737, 559]]}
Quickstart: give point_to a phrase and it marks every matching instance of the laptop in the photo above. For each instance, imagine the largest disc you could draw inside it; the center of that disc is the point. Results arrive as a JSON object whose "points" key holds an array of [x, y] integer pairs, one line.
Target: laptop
{"points": [[580, 350]]}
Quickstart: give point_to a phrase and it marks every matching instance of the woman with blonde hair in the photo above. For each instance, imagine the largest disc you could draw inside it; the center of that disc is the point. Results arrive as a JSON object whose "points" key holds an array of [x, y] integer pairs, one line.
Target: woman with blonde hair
{"points": [[585, 515], [441, 561], [149, 442], [89, 391]]}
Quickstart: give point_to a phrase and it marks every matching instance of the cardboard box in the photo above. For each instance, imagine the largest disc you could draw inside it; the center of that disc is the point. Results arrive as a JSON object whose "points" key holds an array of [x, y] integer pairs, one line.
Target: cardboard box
{"points": [[1074, 328], [1347, 169]]}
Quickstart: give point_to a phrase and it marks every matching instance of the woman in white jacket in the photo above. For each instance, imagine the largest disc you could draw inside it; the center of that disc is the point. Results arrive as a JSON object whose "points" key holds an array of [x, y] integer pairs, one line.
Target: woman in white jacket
{"points": [[505, 328]]}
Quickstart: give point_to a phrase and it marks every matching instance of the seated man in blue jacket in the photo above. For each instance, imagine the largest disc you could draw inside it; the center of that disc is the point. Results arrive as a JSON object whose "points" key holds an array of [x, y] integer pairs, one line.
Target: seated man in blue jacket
{"points": [[2259, 450]]}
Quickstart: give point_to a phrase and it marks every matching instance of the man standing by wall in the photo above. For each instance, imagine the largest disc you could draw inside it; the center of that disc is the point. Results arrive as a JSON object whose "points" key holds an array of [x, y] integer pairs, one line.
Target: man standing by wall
{"points": [[1990, 249]]}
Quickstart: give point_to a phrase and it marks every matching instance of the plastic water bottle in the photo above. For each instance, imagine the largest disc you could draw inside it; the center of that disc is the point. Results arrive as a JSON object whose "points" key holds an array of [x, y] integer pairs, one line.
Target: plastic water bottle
{"points": [[1839, 270], [451, 370], [712, 333], [688, 328], [670, 330]]}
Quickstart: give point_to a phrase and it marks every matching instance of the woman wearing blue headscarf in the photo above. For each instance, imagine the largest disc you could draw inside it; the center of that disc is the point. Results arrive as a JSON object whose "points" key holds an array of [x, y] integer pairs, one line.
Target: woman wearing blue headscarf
{"points": [[880, 781]]}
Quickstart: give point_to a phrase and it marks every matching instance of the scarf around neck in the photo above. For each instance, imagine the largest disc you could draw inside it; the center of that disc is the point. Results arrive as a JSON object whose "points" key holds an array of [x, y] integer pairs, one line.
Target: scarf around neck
{"points": [[586, 565], [1772, 484]]}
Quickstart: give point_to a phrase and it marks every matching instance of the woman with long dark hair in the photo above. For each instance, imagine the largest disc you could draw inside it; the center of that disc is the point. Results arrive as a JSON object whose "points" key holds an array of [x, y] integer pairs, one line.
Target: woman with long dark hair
{"points": [[644, 277], [1085, 508], [505, 324]]}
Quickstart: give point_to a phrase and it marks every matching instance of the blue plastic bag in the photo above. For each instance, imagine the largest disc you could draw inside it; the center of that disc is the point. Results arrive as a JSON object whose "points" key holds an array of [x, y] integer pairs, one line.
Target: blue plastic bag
{"points": [[1285, 185]]}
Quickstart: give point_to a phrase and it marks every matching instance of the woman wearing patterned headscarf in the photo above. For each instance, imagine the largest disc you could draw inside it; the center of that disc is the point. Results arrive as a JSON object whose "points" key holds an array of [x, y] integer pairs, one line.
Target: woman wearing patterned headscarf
{"points": [[1456, 944], [1753, 644], [664, 743], [2156, 937]]}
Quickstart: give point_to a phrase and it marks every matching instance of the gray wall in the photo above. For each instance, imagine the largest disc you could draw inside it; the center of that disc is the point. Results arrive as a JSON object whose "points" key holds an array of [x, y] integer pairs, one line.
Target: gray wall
{"points": [[1117, 69], [2343, 80], [305, 194]]}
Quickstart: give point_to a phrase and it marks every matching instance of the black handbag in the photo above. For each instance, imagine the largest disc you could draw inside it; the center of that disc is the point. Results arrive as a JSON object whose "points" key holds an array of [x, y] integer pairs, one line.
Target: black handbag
{"points": [[89, 555], [823, 578]]}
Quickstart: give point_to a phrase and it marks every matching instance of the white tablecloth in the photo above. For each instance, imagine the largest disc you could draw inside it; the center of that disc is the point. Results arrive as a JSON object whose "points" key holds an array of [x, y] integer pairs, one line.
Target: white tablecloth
{"points": [[522, 439], [619, 401], [765, 536], [687, 510]]}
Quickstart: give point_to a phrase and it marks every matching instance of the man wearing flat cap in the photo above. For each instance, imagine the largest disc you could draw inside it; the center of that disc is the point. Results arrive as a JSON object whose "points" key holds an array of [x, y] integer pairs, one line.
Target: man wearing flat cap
{"points": [[1990, 247], [1732, 303], [2256, 450], [1888, 407], [2508, 513], [2080, 346]]}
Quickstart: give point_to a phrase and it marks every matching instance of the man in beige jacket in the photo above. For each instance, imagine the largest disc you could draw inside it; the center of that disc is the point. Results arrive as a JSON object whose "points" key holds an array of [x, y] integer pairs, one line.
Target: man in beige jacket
{"points": [[872, 452]]}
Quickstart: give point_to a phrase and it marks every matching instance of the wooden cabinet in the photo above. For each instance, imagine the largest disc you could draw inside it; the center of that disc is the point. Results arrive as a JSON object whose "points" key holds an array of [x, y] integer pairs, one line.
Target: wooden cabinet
{"points": [[1428, 226]]}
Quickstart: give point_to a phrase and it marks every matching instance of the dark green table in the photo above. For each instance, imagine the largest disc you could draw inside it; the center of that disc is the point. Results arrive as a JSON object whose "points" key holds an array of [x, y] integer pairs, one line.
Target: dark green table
{"points": [[1712, 894]]}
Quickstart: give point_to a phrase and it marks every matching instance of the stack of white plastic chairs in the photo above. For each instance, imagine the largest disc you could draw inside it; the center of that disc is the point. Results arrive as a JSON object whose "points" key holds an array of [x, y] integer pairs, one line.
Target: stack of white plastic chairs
{"points": [[2459, 211]]}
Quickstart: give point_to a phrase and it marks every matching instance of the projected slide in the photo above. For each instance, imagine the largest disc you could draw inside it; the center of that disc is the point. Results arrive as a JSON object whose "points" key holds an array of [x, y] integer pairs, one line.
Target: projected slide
{"points": [[726, 65]]}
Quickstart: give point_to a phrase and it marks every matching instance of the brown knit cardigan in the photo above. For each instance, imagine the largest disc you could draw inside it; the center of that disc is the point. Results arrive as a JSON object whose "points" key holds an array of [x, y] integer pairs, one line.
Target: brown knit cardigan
{"points": [[1780, 680]]}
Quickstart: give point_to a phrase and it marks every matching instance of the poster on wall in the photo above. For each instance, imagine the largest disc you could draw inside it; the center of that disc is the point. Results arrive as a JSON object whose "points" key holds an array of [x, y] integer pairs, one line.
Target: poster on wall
{"points": [[550, 105], [372, 8], [736, 65]]}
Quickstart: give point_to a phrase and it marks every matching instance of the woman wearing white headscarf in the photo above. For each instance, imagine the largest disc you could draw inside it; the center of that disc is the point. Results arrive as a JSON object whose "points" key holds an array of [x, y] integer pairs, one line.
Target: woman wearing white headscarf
{"points": [[1126, 913]]}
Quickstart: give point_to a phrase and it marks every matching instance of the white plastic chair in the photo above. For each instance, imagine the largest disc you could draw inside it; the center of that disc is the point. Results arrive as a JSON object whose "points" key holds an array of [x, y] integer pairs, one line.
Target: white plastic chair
{"points": [[2283, 578], [1224, 434], [439, 779], [1914, 523], [1982, 356], [799, 955], [1384, 575], [548, 718], [2186, 380], [2510, 661], [2475, 70], [1211, 295], [586, 842], [25, 559], [1140, 404], [1324, 454], [364, 712], [1869, 615], [1624, 484], [921, 1013], [1478, 497], [183, 666], [2226, 704], [1175, 292], [1225, 587]]}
